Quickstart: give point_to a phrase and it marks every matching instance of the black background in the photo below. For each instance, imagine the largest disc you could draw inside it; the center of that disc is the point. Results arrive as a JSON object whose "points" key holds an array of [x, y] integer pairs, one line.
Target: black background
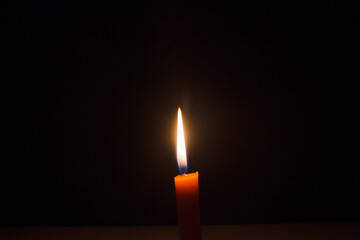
{"points": [[90, 94]]}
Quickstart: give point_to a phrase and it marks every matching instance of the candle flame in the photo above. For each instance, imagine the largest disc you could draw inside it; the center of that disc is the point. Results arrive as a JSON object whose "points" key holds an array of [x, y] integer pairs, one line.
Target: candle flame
{"points": [[181, 150]]}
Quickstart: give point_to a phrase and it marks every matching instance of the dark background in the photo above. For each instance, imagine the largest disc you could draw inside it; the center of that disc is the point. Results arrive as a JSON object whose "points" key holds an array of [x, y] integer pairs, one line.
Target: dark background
{"points": [[89, 102]]}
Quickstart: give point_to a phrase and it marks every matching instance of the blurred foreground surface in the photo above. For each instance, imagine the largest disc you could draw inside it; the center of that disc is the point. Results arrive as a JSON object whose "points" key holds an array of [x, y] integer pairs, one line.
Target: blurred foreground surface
{"points": [[344, 231]]}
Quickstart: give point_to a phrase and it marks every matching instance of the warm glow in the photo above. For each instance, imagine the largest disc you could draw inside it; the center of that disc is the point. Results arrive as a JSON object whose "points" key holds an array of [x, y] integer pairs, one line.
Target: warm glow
{"points": [[181, 150]]}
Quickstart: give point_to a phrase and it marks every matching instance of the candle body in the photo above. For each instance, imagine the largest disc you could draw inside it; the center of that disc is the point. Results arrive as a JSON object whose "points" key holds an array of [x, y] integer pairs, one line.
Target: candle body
{"points": [[187, 199]]}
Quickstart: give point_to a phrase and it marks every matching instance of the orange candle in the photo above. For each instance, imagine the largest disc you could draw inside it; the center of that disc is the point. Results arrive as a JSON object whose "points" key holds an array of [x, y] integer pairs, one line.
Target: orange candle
{"points": [[187, 192]]}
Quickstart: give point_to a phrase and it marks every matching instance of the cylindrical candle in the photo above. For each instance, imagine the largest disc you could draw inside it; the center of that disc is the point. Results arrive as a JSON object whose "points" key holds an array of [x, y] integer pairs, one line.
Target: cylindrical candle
{"points": [[187, 199], [187, 192]]}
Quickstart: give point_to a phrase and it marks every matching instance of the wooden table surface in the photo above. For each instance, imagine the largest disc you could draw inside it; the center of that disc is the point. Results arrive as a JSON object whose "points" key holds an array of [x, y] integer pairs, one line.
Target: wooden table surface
{"points": [[308, 231]]}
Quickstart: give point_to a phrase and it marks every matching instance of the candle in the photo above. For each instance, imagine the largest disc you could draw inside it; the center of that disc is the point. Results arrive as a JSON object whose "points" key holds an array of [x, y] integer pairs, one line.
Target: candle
{"points": [[187, 192]]}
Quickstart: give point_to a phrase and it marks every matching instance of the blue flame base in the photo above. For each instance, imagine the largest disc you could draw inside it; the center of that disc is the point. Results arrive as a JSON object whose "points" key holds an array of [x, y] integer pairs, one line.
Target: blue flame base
{"points": [[183, 170]]}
